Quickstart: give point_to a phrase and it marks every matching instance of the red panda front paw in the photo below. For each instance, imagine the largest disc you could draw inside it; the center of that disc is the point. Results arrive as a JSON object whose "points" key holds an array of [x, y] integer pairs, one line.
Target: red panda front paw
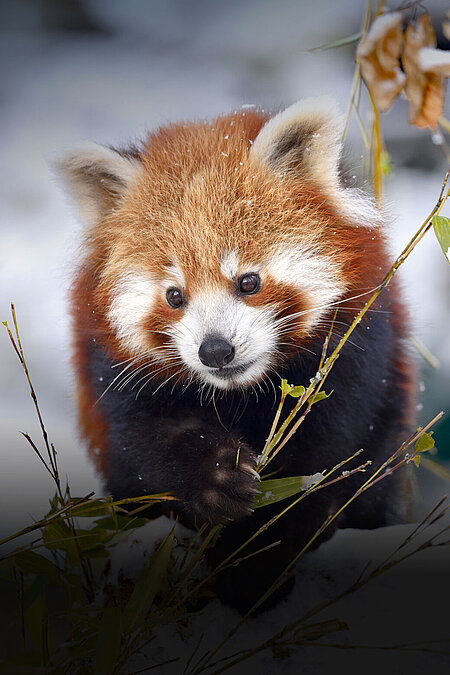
{"points": [[225, 479]]}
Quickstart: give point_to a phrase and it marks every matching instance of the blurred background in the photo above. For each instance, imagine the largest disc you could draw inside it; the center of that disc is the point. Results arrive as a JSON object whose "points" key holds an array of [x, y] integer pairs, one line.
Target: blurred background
{"points": [[76, 70]]}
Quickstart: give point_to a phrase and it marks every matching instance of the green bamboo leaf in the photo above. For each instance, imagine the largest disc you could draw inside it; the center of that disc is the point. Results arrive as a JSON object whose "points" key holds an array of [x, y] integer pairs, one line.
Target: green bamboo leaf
{"points": [[58, 535], [315, 398], [289, 389], [147, 586], [108, 643], [87, 539], [425, 442], [285, 387], [441, 227], [343, 42], [55, 530], [35, 588], [121, 523], [275, 489], [33, 563], [314, 631], [296, 392], [96, 552], [37, 620], [7, 569], [91, 509], [54, 504]]}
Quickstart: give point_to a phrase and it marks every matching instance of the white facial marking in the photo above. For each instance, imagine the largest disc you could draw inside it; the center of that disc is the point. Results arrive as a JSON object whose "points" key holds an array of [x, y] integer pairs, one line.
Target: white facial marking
{"points": [[174, 275], [249, 329], [229, 264], [252, 331], [133, 297], [311, 272]]}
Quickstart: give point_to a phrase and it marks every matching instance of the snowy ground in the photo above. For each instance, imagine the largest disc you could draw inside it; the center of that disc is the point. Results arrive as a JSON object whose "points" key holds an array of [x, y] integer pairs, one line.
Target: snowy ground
{"points": [[396, 623], [179, 60]]}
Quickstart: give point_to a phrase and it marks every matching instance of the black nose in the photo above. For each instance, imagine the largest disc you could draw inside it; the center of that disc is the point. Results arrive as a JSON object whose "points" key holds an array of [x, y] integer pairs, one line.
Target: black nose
{"points": [[215, 352]]}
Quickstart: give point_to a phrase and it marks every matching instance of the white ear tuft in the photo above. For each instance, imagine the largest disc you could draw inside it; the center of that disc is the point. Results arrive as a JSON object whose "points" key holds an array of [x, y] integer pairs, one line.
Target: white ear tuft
{"points": [[97, 177], [304, 139]]}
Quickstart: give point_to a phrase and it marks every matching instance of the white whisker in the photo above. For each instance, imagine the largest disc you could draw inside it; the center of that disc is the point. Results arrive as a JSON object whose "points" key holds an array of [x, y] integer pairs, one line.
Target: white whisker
{"points": [[136, 359]]}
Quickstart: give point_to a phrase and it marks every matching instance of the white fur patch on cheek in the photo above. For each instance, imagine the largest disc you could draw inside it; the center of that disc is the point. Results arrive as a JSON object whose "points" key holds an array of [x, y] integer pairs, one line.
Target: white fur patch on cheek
{"points": [[133, 298], [314, 273]]}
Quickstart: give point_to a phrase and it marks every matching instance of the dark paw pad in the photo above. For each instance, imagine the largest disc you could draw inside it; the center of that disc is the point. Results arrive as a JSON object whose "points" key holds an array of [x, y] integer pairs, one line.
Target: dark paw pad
{"points": [[224, 479]]}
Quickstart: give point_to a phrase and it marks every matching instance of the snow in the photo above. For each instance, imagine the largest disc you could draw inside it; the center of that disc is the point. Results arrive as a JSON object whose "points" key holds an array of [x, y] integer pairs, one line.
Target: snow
{"points": [[309, 481], [436, 60], [405, 605], [381, 26], [130, 556]]}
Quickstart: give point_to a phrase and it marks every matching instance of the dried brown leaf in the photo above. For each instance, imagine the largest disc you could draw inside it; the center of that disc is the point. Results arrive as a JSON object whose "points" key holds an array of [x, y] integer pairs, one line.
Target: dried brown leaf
{"points": [[379, 58], [424, 88]]}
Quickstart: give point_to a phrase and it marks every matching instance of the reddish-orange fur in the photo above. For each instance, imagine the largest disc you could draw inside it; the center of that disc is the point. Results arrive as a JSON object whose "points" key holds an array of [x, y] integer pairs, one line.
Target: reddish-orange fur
{"points": [[199, 193]]}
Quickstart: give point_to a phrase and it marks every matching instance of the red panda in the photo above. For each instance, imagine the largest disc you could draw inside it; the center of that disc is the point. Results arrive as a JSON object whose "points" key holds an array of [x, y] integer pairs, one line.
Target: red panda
{"points": [[214, 259]]}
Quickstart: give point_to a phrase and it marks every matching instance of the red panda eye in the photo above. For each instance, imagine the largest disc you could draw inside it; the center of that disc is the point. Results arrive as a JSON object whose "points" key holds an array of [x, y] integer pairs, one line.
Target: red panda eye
{"points": [[249, 283], [174, 297]]}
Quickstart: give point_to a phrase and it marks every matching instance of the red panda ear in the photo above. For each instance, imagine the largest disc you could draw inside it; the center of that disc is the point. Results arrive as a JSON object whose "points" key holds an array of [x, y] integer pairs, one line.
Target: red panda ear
{"points": [[303, 140], [97, 177]]}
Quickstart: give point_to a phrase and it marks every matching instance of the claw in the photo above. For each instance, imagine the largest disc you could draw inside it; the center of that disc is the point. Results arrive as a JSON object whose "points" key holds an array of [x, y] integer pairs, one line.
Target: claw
{"points": [[248, 469]]}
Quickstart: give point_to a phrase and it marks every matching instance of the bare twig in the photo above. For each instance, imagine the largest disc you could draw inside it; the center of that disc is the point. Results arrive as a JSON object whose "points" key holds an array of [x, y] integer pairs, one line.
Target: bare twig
{"points": [[52, 466]]}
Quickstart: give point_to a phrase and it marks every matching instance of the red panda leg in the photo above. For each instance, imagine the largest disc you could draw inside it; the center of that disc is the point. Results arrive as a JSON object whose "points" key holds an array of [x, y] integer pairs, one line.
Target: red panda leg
{"points": [[210, 471]]}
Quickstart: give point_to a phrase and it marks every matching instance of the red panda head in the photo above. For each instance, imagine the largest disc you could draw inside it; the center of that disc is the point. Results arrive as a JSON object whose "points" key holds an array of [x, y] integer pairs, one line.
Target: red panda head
{"points": [[217, 249]]}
